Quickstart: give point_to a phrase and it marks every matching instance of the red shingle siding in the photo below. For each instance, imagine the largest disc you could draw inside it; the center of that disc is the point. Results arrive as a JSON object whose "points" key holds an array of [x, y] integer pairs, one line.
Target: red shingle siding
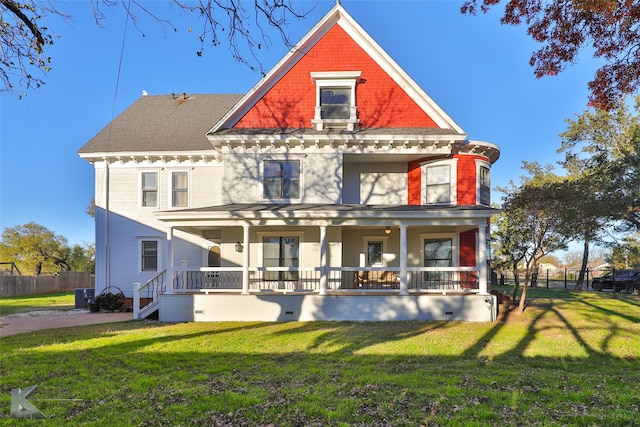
{"points": [[414, 179], [466, 185], [468, 248], [467, 179], [381, 102]]}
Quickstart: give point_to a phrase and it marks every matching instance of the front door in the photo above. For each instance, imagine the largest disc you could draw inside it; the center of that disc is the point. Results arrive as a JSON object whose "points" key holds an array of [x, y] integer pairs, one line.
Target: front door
{"points": [[280, 252]]}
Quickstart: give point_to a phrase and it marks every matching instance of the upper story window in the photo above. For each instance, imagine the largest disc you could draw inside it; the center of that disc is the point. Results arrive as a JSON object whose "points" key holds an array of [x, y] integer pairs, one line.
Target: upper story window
{"points": [[335, 103], [179, 189], [281, 179], [335, 99], [149, 182], [484, 186], [439, 182]]}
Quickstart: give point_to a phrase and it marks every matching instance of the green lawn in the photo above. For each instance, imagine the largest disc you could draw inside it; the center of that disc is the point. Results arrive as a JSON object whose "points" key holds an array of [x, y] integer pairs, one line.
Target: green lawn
{"points": [[571, 361], [24, 304]]}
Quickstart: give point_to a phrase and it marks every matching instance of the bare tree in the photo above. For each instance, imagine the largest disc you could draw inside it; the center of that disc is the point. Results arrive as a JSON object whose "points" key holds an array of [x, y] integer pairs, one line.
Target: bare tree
{"points": [[25, 36]]}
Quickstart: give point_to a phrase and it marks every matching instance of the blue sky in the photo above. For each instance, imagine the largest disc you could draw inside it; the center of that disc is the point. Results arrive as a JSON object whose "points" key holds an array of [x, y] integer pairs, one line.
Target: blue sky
{"points": [[476, 69]]}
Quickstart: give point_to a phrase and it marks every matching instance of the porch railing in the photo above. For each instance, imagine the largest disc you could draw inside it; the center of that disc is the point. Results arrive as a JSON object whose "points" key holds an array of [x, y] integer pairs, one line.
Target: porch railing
{"points": [[208, 278], [146, 298], [300, 279]]}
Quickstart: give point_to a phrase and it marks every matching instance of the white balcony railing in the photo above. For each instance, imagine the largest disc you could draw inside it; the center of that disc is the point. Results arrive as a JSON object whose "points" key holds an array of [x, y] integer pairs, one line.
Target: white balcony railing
{"points": [[301, 279]]}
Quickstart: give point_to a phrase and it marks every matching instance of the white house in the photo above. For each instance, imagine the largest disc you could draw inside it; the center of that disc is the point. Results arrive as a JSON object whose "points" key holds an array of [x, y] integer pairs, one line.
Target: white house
{"points": [[335, 189]]}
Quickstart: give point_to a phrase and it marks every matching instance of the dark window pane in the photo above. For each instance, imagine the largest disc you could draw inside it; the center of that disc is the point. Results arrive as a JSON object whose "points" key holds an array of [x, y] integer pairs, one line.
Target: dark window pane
{"points": [[374, 253], [335, 103], [149, 255], [281, 179]]}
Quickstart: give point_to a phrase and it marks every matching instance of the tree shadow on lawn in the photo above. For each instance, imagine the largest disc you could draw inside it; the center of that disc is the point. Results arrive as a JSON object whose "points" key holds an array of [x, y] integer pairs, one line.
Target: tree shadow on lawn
{"points": [[201, 364]]}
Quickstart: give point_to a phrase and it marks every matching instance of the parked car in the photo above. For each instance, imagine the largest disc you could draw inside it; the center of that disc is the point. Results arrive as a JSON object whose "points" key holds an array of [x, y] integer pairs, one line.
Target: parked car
{"points": [[624, 280]]}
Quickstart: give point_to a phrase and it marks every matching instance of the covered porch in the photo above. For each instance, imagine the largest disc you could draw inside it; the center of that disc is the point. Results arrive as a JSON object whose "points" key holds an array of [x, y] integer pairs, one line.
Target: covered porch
{"points": [[340, 252]]}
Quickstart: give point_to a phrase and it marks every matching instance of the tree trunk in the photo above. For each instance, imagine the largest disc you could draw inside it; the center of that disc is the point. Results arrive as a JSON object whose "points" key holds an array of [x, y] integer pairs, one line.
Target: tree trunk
{"points": [[583, 267], [527, 278], [516, 281]]}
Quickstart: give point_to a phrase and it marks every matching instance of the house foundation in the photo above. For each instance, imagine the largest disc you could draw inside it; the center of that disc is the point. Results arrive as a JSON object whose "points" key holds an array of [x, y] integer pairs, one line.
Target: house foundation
{"points": [[269, 307]]}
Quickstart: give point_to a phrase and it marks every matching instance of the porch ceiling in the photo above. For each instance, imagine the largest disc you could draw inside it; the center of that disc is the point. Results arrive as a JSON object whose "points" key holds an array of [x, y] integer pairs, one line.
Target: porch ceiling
{"points": [[345, 215]]}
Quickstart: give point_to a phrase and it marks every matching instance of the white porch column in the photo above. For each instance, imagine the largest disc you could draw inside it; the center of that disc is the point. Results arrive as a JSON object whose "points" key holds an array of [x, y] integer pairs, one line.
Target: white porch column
{"points": [[323, 260], [245, 259], [481, 260], [169, 259], [136, 301], [403, 260]]}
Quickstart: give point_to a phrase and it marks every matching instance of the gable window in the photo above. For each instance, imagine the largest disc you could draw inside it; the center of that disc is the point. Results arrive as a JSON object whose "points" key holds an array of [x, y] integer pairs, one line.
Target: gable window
{"points": [[484, 186], [438, 184], [179, 189], [281, 179], [149, 255], [335, 103], [149, 189], [335, 99]]}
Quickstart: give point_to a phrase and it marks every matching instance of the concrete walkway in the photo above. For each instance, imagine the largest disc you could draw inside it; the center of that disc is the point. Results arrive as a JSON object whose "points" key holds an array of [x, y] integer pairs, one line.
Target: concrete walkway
{"points": [[38, 320]]}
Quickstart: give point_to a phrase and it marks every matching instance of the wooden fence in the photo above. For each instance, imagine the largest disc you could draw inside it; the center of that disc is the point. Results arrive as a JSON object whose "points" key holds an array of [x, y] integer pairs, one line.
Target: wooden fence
{"points": [[11, 286]]}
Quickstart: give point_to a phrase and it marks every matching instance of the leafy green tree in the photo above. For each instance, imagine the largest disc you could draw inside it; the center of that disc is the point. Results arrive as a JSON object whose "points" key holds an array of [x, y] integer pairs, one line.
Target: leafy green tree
{"points": [[565, 28], [626, 254], [532, 224], [585, 213], [603, 149], [35, 248], [82, 258]]}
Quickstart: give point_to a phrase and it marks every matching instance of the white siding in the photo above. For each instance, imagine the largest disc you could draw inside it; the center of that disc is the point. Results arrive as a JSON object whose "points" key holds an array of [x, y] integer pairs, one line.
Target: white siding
{"points": [[323, 178], [375, 183], [320, 182], [129, 222], [305, 308]]}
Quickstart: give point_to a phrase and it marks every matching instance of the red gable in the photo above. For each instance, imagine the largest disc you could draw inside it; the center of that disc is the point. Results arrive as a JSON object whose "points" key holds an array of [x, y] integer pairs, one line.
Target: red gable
{"points": [[381, 102]]}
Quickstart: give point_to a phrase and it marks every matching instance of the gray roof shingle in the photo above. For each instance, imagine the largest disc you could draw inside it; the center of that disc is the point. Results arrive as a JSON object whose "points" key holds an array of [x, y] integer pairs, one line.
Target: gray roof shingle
{"points": [[161, 123]]}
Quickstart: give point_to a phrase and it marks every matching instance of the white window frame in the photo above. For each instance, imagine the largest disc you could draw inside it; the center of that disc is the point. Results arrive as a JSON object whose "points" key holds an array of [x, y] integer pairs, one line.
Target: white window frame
{"points": [[338, 80], [455, 246], [262, 234], [479, 165], [365, 246], [159, 259], [453, 180], [295, 158], [188, 204], [141, 190]]}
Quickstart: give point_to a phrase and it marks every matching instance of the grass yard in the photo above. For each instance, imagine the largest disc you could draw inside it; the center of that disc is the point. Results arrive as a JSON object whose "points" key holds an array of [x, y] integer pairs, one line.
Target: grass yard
{"points": [[572, 361], [24, 304]]}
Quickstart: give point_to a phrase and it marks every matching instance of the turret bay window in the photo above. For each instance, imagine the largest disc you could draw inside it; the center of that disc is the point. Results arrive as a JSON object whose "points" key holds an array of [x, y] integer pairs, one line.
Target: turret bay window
{"points": [[281, 179], [438, 184], [484, 186]]}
